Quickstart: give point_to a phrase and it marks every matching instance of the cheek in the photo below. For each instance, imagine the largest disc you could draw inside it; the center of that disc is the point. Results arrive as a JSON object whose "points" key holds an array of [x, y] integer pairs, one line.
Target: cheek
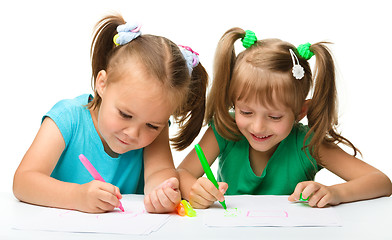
{"points": [[108, 120], [148, 137], [284, 128], [240, 121]]}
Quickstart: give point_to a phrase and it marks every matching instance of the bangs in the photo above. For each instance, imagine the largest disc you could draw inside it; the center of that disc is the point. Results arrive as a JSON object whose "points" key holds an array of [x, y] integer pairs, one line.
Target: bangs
{"points": [[271, 89]]}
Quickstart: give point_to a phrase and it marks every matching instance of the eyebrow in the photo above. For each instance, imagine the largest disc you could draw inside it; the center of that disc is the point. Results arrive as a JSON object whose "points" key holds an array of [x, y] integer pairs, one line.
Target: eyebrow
{"points": [[269, 108], [159, 123], [127, 111]]}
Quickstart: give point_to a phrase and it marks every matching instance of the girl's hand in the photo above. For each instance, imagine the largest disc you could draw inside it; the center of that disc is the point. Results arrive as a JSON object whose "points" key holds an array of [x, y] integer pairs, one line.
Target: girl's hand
{"points": [[319, 195], [98, 197], [164, 198], [204, 193]]}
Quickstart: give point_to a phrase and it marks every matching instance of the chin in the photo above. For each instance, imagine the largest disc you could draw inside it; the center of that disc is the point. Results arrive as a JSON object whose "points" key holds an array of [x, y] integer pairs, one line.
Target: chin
{"points": [[122, 150], [117, 150], [261, 147]]}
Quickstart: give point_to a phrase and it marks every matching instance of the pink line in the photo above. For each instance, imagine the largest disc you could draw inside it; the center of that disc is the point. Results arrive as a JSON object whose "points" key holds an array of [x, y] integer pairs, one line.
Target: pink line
{"points": [[62, 214], [268, 214], [133, 214]]}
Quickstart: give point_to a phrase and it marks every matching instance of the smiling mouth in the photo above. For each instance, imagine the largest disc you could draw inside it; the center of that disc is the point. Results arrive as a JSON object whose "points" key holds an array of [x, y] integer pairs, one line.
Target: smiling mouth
{"points": [[123, 142], [260, 138]]}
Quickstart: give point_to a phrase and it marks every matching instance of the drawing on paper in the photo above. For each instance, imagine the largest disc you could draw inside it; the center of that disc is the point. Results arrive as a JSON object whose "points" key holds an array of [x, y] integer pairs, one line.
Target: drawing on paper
{"points": [[232, 212], [135, 220], [236, 212], [90, 216], [267, 213]]}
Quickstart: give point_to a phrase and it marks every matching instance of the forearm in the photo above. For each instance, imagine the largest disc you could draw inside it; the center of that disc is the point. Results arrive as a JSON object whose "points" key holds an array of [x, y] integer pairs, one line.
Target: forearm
{"points": [[372, 185], [187, 180], [40, 189], [158, 177]]}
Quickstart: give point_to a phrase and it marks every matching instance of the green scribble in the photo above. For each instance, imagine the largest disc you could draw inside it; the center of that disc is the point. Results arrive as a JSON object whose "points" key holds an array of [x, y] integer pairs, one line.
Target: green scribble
{"points": [[232, 212]]}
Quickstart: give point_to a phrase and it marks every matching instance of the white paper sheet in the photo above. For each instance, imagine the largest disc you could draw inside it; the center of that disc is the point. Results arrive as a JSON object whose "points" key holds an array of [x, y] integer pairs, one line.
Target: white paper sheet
{"points": [[135, 220], [247, 211]]}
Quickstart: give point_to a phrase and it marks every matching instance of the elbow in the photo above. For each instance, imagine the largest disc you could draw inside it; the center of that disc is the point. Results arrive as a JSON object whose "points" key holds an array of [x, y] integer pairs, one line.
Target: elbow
{"points": [[19, 185], [389, 193], [388, 189], [16, 187]]}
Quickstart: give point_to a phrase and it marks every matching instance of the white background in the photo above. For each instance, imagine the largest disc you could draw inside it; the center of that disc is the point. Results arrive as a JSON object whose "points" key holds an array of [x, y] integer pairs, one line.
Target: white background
{"points": [[44, 57]]}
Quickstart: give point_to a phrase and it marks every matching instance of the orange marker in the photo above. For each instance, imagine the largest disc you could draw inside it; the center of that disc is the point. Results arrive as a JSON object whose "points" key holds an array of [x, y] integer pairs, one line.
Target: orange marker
{"points": [[181, 209]]}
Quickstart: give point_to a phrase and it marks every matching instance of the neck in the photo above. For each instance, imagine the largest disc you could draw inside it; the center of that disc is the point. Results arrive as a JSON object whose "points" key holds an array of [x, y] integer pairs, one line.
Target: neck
{"points": [[94, 117], [258, 160]]}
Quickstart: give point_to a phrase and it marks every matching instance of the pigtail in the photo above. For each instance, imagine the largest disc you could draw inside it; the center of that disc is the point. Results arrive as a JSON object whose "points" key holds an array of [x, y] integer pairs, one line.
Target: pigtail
{"points": [[101, 48], [322, 114], [219, 101], [191, 115]]}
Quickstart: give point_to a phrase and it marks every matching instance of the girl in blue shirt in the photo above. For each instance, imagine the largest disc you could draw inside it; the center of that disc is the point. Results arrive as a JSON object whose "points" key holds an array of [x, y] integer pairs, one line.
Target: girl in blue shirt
{"points": [[139, 81]]}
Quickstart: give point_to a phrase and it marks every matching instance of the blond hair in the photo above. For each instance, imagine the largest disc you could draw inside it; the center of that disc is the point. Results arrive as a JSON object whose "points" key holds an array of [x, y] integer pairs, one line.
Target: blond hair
{"points": [[263, 72]]}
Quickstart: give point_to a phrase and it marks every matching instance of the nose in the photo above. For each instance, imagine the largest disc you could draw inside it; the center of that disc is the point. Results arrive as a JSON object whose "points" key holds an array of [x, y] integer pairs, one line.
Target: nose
{"points": [[259, 125], [132, 132]]}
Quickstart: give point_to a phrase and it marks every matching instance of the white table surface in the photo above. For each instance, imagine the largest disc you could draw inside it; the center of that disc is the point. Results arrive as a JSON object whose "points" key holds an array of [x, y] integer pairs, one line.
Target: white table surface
{"points": [[371, 219]]}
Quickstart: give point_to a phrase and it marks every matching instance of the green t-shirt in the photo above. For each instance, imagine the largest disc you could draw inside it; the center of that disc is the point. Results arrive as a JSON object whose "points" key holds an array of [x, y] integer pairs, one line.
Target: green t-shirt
{"points": [[288, 166]]}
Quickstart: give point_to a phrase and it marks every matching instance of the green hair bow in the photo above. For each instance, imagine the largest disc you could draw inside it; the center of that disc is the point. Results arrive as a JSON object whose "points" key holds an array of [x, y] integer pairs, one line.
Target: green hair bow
{"points": [[304, 51], [249, 39]]}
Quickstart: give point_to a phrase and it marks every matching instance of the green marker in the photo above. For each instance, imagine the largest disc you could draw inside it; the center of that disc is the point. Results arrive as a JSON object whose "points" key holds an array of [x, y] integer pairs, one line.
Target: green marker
{"points": [[207, 169], [301, 199]]}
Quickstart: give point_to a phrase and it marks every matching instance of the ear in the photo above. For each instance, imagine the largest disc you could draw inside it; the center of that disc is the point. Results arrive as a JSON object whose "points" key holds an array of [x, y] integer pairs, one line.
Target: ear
{"points": [[304, 110], [101, 82]]}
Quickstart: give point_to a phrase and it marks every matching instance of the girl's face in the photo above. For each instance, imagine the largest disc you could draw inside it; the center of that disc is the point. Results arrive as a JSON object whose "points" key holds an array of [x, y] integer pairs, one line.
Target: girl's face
{"points": [[133, 112], [264, 127]]}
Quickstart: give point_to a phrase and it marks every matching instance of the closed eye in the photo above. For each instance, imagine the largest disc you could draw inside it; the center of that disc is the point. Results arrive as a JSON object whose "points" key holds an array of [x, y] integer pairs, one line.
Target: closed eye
{"points": [[124, 115], [245, 112], [275, 117], [152, 126]]}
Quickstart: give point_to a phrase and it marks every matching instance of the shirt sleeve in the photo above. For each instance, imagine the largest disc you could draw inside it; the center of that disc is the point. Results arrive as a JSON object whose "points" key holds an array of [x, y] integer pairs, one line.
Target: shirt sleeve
{"points": [[64, 114], [308, 161], [221, 141]]}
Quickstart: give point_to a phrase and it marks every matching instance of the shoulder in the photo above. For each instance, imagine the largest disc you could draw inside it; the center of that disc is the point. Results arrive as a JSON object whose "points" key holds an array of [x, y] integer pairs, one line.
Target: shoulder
{"points": [[75, 103], [297, 136], [227, 145], [68, 113], [297, 139], [300, 128], [222, 142], [67, 106], [299, 132]]}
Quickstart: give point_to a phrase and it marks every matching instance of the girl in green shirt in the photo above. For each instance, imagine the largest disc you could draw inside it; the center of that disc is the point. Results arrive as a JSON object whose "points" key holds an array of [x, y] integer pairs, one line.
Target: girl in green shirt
{"points": [[263, 149]]}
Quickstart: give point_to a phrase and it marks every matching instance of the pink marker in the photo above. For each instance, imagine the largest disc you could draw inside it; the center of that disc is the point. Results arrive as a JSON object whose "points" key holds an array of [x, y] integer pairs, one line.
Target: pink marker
{"points": [[90, 168]]}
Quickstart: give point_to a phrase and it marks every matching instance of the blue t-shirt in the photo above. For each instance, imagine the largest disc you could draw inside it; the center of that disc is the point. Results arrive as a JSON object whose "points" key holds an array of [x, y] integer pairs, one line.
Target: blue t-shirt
{"points": [[80, 136]]}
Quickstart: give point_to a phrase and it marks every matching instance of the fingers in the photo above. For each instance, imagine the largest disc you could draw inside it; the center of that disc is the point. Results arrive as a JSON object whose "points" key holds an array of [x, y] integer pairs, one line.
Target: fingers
{"points": [[223, 188], [172, 183], [297, 191], [104, 206], [319, 198], [204, 193], [110, 194], [163, 198], [306, 188], [318, 194], [100, 197]]}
